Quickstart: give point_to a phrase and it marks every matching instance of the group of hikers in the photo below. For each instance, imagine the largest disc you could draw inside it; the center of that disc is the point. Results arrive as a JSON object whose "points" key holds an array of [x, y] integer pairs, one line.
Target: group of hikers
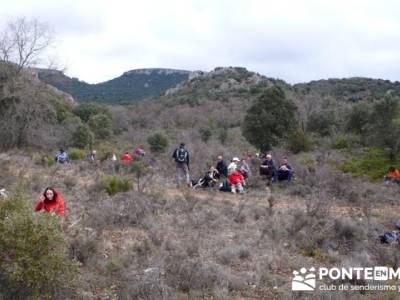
{"points": [[63, 157], [232, 175], [229, 177]]}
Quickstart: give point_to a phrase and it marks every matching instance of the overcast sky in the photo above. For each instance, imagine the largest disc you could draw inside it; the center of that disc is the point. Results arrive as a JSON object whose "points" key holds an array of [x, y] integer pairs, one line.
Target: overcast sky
{"points": [[297, 40]]}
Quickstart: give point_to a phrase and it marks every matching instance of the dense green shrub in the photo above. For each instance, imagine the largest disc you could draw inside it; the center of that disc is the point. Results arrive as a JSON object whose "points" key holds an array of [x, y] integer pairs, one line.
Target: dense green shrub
{"points": [[385, 127], [374, 163], [323, 122], [116, 184], [340, 142], [158, 142], [34, 263], [82, 137], [86, 110], [359, 117], [76, 154], [269, 119], [298, 141], [101, 125]]}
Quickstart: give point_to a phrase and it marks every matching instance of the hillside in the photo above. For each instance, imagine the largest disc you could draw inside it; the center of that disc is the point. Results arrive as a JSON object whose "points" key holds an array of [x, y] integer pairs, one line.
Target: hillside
{"points": [[130, 86], [32, 113], [135, 235]]}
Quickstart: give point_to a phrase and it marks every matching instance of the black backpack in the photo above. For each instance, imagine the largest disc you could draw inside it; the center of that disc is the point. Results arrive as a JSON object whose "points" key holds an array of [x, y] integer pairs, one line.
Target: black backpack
{"points": [[181, 155]]}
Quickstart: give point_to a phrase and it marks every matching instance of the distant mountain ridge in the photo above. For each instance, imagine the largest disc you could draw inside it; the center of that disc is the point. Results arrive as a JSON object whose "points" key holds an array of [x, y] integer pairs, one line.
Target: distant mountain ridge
{"points": [[131, 86]]}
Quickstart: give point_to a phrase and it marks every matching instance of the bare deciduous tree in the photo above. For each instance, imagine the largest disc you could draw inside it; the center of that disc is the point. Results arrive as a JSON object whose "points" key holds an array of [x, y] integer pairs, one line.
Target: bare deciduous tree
{"points": [[24, 41]]}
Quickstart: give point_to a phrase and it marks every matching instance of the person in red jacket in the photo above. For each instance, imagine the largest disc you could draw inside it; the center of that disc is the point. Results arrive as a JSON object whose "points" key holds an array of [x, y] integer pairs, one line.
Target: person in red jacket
{"points": [[126, 158], [51, 201], [236, 181]]}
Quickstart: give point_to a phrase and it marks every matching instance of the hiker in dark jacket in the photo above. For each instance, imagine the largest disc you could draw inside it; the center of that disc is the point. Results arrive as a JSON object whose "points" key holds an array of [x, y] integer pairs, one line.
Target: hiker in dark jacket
{"points": [[221, 167], [268, 169], [181, 156], [285, 171]]}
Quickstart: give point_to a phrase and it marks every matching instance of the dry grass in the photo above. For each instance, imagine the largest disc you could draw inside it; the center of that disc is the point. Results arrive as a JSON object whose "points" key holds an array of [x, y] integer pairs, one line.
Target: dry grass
{"points": [[166, 243]]}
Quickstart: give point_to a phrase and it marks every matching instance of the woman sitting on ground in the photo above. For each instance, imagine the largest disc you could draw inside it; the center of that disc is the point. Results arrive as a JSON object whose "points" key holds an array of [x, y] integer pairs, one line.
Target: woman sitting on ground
{"points": [[209, 179], [236, 181], [51, 201]]}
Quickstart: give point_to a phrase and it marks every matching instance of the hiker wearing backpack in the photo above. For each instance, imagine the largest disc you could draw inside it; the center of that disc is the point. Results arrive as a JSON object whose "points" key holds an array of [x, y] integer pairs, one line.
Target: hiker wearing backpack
{"points": [[61, 157], [222, 167], [51, 201], [181, 157]]}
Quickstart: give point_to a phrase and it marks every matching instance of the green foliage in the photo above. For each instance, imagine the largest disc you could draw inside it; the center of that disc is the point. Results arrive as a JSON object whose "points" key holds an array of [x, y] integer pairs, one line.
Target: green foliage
{"points": [[34, 263], [340, 142], [359, 117], [130, 86], [205, 134], [323, 122], [86, 110], [298, 141], [158, 142], [105, 149], [306, 159], [76, 154], [115, 184], [82, 137], [45, 161], [101, 125], [385, 127], [269, 119], [374, 163], [63, 110]]}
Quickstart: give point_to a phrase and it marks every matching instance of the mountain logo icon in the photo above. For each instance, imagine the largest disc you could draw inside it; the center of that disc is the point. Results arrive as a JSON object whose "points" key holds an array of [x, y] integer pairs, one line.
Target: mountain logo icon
{"points": [[304, 280]]}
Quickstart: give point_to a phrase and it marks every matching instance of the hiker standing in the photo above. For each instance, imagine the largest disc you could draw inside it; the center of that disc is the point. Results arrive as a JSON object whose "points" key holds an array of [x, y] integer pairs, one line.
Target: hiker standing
{"points": [[51, 201], [181, 156], [91, 157], [222, 167], [113, 159]]}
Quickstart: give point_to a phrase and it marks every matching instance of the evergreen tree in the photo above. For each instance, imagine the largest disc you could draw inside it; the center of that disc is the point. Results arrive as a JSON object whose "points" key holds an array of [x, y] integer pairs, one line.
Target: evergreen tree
{"points": [[269, 119]]}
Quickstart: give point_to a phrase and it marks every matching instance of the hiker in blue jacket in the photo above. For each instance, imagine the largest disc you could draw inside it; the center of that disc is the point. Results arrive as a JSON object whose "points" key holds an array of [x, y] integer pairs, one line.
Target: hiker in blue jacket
{"points": [[62, 157]]}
